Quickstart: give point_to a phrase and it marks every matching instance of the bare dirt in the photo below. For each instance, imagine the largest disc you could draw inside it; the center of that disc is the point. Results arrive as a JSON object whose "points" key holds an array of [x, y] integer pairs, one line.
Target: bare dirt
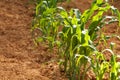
{"points": [[20, 59]]}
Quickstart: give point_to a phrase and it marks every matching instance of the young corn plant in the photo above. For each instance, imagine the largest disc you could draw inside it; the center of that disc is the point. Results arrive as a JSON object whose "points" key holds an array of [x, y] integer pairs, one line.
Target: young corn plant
{"points": [[46, 21], [75, 36], [115, 67], [99, 65], [76, 44]]}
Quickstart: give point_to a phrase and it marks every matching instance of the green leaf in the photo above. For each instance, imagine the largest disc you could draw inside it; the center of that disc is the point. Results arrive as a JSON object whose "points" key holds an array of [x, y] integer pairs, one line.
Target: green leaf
{"points": [[99, 1]]}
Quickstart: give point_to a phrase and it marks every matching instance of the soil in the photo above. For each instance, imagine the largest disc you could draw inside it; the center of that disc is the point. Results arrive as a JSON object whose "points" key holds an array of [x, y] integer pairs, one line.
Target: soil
{"points": [[20, 59]]}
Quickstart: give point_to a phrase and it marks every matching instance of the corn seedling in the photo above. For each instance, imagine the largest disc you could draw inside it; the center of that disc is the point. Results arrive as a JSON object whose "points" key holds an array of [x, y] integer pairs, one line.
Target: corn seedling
{"points": [[99, 65], [74, 38]]}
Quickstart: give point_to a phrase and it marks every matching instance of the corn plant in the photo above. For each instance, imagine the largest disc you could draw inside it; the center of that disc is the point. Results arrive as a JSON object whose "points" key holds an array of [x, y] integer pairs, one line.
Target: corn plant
{"points": [[76, 44], [75, 39], [46, 21], [115, 67], [100, 65], [74, 31]]}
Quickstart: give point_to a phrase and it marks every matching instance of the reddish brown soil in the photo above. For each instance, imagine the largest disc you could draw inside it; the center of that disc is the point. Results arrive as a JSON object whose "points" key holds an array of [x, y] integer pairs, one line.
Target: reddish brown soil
{"points": [[20, 59]]}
